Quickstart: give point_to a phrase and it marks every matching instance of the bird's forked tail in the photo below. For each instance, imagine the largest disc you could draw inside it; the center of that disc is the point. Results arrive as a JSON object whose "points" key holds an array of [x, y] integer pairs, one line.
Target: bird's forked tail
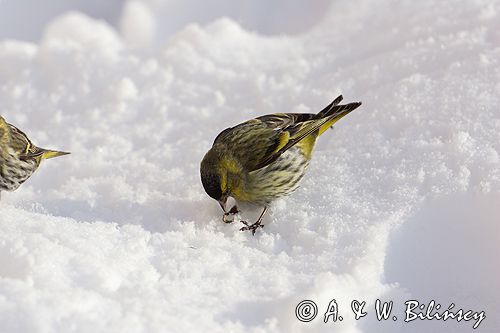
{"points": [[47, 153], [335, 112]]}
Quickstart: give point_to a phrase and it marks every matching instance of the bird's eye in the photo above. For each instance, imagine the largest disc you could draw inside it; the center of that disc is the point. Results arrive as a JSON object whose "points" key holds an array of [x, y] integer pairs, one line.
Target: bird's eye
{"points": [[212, 185]]}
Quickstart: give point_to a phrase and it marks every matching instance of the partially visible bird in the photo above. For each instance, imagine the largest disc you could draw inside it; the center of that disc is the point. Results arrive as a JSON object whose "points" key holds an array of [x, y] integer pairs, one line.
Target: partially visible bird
{"points": [[264, 158], [19, 158]]}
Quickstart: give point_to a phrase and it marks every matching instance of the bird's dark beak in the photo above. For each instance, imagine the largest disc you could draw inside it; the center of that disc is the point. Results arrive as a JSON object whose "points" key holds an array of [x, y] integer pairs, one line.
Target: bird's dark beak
{"points": [[222, 203]]}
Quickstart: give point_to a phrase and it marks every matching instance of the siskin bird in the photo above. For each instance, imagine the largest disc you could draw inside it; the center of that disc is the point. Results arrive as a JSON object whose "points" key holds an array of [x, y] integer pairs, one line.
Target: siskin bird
{"points": [[265, 158], [19, 158]]}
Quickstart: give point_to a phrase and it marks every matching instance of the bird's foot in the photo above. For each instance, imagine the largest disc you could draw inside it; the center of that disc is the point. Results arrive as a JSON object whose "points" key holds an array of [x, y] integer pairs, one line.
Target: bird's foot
{"points": [[229, 216], [252, 227]]}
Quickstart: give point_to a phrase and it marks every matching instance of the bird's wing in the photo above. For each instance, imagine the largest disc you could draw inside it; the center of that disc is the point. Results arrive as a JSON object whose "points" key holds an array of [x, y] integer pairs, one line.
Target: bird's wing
{"points": [[259, 142], [15, 139], [291, 129], [4, 132], [20, 143]]}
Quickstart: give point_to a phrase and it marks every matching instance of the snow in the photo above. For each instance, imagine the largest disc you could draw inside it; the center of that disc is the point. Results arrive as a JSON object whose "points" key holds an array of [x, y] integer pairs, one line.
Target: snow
{"points": [[400, 201], [138, 24]]}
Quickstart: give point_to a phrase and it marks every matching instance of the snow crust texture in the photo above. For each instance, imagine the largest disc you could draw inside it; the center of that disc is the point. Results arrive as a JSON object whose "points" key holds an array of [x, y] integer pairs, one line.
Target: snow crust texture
{"points": [[401, 200]]}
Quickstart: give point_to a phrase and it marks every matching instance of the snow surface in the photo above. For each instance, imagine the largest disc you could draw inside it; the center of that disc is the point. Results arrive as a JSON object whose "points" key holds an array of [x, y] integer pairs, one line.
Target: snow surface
{"points": [[401, 201]]}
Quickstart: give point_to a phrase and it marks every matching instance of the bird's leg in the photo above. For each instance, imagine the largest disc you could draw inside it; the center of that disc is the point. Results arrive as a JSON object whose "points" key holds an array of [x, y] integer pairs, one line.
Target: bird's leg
{"points": [[256, 225]]}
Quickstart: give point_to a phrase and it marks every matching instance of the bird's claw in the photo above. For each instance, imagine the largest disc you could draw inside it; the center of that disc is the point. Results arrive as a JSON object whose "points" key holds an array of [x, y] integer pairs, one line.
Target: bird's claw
{"points": [[251, 227]]}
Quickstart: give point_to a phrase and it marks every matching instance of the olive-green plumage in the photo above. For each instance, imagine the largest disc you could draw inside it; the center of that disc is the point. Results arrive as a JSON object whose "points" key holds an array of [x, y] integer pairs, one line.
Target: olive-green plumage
{"points": [[264, 158], [19, 158]]}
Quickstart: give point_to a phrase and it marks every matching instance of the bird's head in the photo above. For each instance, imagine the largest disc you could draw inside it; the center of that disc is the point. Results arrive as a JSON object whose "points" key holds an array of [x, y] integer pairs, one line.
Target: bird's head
{"points": [[214, 175]]}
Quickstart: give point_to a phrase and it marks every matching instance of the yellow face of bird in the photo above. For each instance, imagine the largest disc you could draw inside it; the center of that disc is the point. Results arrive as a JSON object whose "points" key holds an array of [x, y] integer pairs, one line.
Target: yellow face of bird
{"points": [[213, 177], [216, 168]]}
